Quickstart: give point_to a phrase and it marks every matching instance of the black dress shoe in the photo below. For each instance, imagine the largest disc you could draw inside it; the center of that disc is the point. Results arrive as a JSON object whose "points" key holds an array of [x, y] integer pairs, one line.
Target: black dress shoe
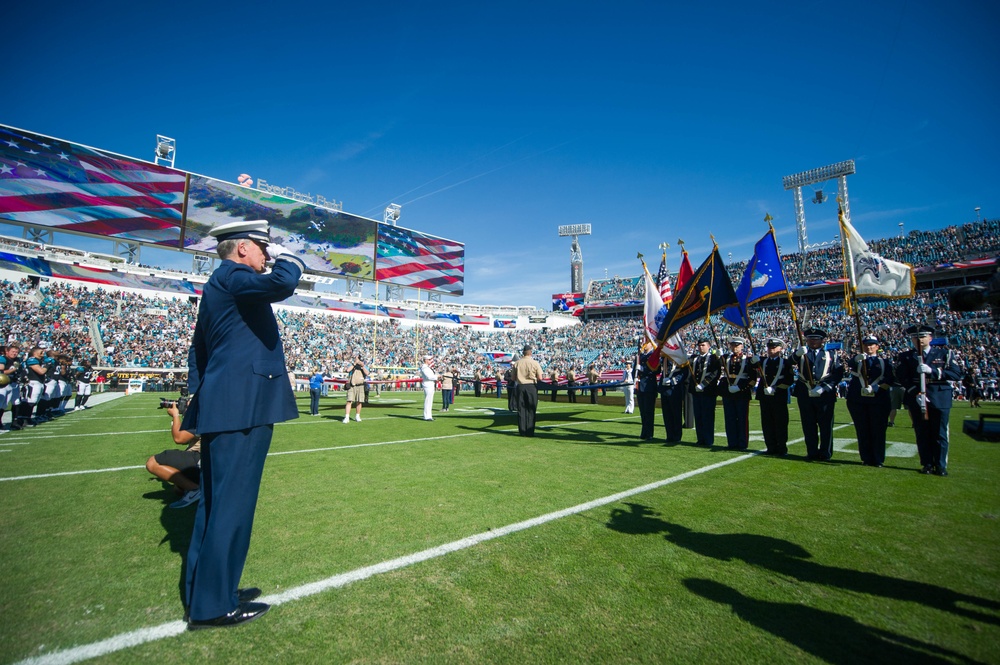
{"points": [[244, 613], [927, 470], [248, 594], [940, 472]]}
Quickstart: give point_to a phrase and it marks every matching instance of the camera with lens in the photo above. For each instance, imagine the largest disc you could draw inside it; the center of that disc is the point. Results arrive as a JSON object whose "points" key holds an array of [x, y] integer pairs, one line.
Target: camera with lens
{"points": [[181, 404]]}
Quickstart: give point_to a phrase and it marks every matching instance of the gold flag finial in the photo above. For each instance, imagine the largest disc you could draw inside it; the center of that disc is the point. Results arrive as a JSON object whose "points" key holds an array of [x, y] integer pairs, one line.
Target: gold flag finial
{"points": [[638, 255]]}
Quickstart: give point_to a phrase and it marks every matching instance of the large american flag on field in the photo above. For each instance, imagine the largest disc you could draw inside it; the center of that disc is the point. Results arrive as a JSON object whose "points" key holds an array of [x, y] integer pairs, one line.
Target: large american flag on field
{"points": [[60, 185], [408, 258]]}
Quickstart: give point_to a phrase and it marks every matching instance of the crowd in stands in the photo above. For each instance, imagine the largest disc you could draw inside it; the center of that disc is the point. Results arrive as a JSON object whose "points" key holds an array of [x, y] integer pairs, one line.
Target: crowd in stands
{"points": [[615, 289], [154, 330], [921, 249]]}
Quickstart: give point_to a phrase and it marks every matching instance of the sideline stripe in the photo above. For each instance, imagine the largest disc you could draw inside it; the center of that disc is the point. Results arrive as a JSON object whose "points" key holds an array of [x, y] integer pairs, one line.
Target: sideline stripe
{"points": [[290, 452], [173, 628]]}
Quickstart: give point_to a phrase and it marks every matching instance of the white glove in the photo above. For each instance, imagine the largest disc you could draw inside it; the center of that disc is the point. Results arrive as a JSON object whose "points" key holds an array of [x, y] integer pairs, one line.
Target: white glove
{"points": [[700, 388], [274, 250], [860, 358], [734, 389], [816, 392], [868, 390], [924, 368], [768, 390], [755, 359], [801, 351]]}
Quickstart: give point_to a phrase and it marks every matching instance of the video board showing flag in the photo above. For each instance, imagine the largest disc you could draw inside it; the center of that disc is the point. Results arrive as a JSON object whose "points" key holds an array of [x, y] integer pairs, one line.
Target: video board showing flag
{"points": [[328, 241], [419, 261], [50, 183]]}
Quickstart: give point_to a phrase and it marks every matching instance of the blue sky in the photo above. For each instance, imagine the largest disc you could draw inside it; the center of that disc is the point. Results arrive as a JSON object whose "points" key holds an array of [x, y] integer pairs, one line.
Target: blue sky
{"points": [[494, 123]]}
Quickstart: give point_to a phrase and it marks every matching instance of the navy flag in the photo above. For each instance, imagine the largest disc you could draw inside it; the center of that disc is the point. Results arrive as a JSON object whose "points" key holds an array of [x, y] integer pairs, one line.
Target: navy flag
{"points": [[707, 292], [762, 279]]}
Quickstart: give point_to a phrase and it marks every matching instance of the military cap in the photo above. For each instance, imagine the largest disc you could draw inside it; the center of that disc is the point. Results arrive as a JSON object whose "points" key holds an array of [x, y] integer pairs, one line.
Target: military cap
{"points": [[870, 339], [815, 333], [704, 340], [255, 229], [737, 340], [920, 331], [775, 341]]}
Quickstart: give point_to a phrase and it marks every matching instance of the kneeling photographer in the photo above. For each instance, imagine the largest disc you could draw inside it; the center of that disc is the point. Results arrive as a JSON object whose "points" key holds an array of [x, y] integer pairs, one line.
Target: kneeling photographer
{"points": [[182, 468]]}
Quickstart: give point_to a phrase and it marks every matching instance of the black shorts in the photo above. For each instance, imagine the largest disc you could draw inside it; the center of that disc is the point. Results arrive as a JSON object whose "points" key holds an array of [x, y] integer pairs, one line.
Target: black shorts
{"points": [[184, 461]]}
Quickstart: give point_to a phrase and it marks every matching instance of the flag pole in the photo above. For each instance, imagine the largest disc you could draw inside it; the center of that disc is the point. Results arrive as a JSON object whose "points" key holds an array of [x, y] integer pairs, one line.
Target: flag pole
{"points": [[708, 312], [788, 291]]}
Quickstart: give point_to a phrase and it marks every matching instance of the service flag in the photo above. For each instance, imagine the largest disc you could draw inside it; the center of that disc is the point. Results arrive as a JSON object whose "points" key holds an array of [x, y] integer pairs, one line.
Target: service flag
{"points": [[653, 313], [708, 291], [870, 275], [762, 279]]}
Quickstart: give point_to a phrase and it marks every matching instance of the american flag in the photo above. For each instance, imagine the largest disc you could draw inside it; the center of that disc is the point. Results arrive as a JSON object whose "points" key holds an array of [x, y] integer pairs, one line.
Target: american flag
{"points": [[50, 183], [419, 261], [663, 279]]}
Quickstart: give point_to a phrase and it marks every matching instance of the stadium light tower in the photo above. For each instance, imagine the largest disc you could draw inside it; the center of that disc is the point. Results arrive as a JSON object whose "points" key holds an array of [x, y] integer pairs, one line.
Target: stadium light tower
{"points": [[796, 182], [166, 150], [391, 214], [575, 254]]}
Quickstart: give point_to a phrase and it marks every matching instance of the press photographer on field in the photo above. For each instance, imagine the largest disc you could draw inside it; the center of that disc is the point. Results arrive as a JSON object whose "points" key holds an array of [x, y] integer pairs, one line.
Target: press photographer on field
{"points": [[179, 467]]}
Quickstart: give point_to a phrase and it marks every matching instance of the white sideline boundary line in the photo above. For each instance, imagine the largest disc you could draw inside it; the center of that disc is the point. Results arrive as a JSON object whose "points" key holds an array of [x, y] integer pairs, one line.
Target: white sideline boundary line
{"points": [[286, 452], [174, 628]]}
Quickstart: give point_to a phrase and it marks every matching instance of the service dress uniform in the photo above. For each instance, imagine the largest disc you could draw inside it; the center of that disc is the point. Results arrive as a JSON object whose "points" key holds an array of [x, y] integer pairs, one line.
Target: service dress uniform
{"points": [[739, 376], [240, 388], [816, 394], [705, 371], [868, 401], [777, 372], [928, 399], [673, 393]]}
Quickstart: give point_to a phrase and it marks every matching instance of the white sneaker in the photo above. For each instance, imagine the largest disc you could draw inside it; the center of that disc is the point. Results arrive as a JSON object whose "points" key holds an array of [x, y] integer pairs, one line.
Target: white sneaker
{"points": [[357, 417], [189, 497], [347, 419]]}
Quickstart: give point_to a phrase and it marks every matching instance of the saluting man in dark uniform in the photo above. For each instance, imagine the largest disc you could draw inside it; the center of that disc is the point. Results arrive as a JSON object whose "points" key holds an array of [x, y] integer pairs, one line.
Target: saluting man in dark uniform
{"points": [[239, 382], [705, 371], [816, 393], [868, 400], [777, 375], [928, 398], [673, 392], [739, 375]]}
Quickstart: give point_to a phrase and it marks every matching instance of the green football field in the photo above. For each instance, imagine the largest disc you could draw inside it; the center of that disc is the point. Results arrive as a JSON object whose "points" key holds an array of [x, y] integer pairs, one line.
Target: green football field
{"points": [[396, 540]]}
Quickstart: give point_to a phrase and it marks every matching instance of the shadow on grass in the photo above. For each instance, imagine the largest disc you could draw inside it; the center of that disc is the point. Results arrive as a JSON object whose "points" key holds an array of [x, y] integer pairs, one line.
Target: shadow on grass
{"points": [[832, 637], [787, 558], [177, 526]]}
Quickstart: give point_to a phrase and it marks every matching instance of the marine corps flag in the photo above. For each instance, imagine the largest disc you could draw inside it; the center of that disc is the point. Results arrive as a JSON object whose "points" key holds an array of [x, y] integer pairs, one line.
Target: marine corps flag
{"points": [[708, 291], [869, 274]]}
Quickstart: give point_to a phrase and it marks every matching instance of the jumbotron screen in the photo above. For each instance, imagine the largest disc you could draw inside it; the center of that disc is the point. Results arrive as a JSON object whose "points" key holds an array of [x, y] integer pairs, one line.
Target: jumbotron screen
{"points": [[67, 187]]}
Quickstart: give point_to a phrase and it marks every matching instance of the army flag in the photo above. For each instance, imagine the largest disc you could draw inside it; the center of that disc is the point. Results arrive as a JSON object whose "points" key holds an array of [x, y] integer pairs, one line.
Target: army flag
{"points": [[708, 291]]}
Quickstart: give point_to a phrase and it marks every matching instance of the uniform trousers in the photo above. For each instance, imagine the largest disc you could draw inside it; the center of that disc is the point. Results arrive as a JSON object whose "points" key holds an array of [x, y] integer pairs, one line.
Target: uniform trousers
{"points": [[527, 406], [932, 436], [231, 467], [629, 398], [774, 422], [429, 399], [672, 405], [870, 421], [736, 412], [817, 416], [704, 417], [647, 412]]}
